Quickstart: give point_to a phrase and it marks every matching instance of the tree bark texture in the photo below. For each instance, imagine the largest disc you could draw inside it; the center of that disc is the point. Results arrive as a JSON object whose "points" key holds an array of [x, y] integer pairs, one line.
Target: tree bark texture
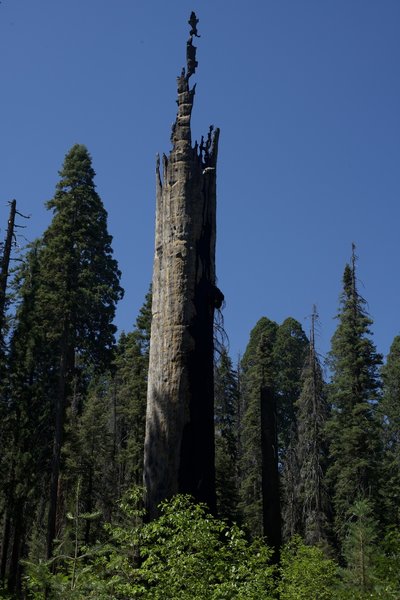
{"points": [[179, 444]]}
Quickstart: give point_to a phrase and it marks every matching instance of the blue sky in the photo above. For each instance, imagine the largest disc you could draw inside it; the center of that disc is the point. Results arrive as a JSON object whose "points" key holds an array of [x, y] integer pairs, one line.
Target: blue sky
{"points": [[306, 94]]}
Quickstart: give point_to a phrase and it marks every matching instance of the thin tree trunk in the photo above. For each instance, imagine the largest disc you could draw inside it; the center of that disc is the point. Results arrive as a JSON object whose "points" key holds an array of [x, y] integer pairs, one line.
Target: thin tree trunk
{"points": [[18, 523], [5, 542], [5, 263]]}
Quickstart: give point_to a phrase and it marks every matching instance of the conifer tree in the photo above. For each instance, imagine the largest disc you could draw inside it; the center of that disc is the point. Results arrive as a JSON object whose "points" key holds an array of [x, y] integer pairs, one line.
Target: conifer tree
{"points": [[129, 394], [78, 293], [104, 442], [390, 414], [311, 448], [87, 479], [226, 434], [257, 375], [289, 354], [290, 349], [360, 549], [26, 435], [353, 396], [67, 292]]}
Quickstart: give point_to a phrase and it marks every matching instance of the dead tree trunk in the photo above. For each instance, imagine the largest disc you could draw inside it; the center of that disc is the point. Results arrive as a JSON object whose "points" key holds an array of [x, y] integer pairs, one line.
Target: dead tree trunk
{"points": [[179, 444], [5, 264]]}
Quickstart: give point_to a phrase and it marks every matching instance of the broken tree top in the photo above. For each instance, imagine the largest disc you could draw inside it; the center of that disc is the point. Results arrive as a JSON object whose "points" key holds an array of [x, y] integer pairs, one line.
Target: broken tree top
{"points": [[190, 49], [181, 133], [193, 24]]}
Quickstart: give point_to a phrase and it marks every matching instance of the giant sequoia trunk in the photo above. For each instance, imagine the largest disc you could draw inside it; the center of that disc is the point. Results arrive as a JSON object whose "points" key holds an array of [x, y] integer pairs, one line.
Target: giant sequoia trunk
{"points": [[179, 444]]}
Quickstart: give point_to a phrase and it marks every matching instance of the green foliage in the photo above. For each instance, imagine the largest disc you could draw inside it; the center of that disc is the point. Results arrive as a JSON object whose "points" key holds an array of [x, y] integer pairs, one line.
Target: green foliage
{"points": [[387, 566], [257, 372], [79, 278], [373, 567], [226, 437], [289, 354], [273, 361], [353, 428], [390, 414], [359, 546], [311, 450], [129, 397], [306, 574], [65, 295], [186, 554]]}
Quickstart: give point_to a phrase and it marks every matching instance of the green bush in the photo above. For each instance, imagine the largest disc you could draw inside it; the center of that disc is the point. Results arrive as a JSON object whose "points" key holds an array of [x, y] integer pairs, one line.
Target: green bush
{"points": [[185, 554], [306, 574]]}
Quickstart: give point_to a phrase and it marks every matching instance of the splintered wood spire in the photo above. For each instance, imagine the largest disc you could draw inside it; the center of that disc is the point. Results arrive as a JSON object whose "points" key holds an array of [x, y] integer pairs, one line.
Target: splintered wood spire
{"points": [[179, 444]]}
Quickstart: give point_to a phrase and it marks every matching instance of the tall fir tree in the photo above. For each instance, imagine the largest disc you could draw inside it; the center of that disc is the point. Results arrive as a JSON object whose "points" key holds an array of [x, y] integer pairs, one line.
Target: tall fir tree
{"points": [[311, 449], [354, 393], [390, 415]]}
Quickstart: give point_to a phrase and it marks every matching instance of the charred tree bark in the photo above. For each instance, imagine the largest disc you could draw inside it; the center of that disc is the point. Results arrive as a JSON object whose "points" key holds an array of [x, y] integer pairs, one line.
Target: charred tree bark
{"points": [[179, 444], [270, 475]]}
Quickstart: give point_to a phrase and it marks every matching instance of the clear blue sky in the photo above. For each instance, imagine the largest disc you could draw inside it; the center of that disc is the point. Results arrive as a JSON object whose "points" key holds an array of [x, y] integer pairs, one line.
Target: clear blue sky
{"points": [[307, 96]]}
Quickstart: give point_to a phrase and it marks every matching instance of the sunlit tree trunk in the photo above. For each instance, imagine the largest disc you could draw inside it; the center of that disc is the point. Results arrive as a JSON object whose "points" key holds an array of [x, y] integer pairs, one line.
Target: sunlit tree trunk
{"points": [[179, 445]]}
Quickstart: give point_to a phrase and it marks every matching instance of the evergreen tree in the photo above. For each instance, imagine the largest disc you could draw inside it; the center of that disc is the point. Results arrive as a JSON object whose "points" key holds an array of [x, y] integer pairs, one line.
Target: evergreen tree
{"points": [[67, 292], [290, 349], [390, 413], [87, 479], [129, 395], [78, 293], [26, 435], [359, 548], [226, 442], [257, 374], [289, 354], [311, 448], [103, 451], [353, 395]]}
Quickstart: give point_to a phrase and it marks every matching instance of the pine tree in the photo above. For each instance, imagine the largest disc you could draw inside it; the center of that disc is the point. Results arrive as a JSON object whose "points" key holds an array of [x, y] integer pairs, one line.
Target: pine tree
{"points": [[353, 395], [390, 413], [226, 433], [311, 448]]}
